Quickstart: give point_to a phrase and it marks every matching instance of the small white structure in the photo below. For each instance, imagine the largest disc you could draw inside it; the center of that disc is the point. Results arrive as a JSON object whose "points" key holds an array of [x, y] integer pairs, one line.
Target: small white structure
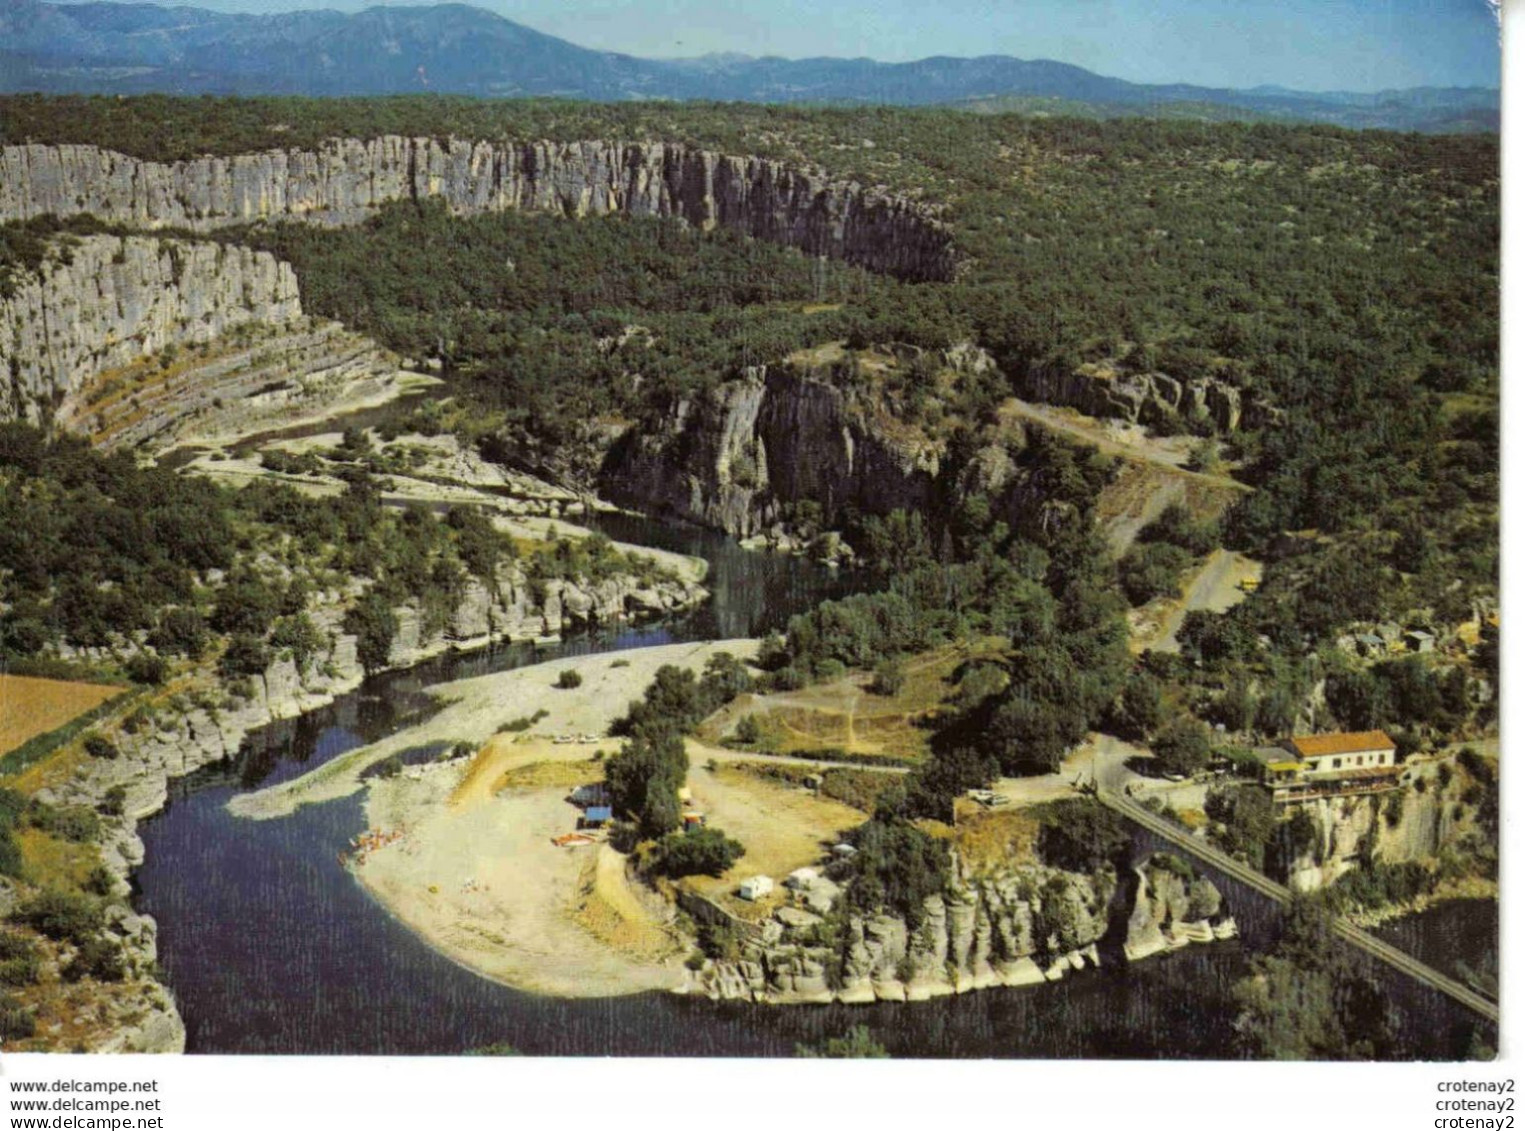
{"points": [[1419, 641], [755, 888], [802, 878], [843, 851]]}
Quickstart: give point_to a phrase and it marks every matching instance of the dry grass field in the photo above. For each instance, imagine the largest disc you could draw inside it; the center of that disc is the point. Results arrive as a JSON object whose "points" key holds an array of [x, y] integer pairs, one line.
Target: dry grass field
{"points": [[29, 706], [846, 717], [989, 841]]}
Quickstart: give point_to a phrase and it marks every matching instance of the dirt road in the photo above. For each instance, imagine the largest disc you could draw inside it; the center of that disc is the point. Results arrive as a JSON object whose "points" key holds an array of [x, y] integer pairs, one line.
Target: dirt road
{"points": [[1215, 588], [1102, 758], [1115, 439]]}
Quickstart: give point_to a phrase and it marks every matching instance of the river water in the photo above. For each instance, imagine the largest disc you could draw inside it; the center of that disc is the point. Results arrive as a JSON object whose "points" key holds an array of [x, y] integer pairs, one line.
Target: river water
{"points": [[270, 946], [1458, 937]]}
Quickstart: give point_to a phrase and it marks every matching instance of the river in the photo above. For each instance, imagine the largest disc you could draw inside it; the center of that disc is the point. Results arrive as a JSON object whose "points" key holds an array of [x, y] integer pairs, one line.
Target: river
{"points": [[270, 946], [1458, 937]]}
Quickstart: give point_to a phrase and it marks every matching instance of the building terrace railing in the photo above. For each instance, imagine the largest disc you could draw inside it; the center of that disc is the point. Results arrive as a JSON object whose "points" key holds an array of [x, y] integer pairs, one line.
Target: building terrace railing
{"points": [[1358, 783]]}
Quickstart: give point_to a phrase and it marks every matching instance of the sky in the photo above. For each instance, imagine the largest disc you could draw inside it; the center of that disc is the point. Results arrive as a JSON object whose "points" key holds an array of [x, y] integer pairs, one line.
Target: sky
{"points": [[1357, 45]]}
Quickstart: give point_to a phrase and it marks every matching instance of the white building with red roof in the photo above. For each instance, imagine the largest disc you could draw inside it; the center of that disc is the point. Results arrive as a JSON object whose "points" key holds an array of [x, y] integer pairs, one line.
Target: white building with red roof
{"points": [[1345, 764]]}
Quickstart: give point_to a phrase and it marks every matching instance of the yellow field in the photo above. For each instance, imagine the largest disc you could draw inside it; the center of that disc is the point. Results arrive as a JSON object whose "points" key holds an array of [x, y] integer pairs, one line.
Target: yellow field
{"points": [[29, 707], [845, 716], [55, 860], [561, 775], [989, 841]]}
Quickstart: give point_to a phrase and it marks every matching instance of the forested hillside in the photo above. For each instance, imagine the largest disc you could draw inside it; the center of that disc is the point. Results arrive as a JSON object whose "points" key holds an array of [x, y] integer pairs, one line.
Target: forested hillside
{"points": [[1343, 283]]}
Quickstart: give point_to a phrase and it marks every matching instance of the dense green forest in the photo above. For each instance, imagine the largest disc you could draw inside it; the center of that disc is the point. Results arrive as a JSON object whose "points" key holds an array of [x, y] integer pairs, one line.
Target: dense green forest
{"points": [[551, 325], [99, 551], [1347, 279], [1046, 586]]}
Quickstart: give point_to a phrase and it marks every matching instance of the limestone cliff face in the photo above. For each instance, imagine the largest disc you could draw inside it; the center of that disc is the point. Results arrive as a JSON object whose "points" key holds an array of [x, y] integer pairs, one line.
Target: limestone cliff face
{"points": [[1171, 909], [734, 457], [1424, 819], [344, 180], [108, 301], [738, 456], [999, 929]]}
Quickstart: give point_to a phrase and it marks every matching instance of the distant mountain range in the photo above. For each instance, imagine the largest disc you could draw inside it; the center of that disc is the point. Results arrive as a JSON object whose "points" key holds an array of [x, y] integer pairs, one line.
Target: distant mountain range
{"points": [[455, 49]]}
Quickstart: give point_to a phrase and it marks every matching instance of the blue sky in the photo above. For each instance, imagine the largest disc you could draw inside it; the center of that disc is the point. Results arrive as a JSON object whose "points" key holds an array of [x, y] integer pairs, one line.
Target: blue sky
{"points": [[1306, 44]]}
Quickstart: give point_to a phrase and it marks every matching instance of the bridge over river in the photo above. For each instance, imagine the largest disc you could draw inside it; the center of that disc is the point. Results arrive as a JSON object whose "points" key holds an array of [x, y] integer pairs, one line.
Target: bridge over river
{"points": [[1258, 882]]}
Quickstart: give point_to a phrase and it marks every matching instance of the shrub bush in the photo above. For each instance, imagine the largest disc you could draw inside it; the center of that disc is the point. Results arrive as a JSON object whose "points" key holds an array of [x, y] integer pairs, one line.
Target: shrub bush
{"points": [[1150, 570], [96, 958], [147, 668], [99, 746], [16, 1021], [889, 677], [1182, 746], [19, 965], [20, 971], [100, 881], [703, 852], [857, 1043], [13, 945], [389, 767], [78, 823], [61, 915]]}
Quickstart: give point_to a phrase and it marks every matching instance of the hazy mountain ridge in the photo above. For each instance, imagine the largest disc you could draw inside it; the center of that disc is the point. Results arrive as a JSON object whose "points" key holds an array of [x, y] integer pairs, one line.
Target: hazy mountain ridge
{"points": [[455, 48]]}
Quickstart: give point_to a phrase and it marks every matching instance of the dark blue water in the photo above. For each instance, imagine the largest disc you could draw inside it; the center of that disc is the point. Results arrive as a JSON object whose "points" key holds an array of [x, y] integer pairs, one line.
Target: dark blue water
{"points": [[271, 947], [1425, 1023], [755, 593], [1459, 937]]}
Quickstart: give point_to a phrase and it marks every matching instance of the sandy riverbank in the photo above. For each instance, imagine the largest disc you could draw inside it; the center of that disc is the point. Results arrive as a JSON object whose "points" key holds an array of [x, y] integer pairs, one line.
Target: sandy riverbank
{"points": [[465, 854], [476, 708], [481, 883]]}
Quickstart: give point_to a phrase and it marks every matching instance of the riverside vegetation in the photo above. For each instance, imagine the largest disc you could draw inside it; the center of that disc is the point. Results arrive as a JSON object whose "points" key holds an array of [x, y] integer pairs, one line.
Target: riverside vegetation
{"points": [[1316, 308]]}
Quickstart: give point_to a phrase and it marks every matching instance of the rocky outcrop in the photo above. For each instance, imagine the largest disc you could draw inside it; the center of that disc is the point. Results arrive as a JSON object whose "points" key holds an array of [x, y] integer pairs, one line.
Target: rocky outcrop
{"points": [[1152, 399], [271, 378], [1426, 817], [103, 302], [1021, 926], [1173, 908], [737, 456], [742, 456], [343, 181]]}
